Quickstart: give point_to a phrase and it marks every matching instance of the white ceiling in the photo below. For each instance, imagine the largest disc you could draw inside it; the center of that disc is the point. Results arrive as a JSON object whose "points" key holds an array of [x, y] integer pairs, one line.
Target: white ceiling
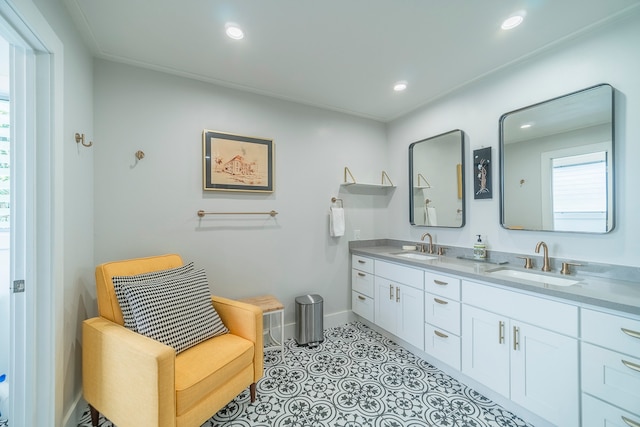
{"points": [[342, 55]]}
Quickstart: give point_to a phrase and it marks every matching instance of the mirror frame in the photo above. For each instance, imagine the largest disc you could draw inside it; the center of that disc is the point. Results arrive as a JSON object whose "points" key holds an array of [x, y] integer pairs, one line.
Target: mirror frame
{"points": [[611, 202], [462, 186]]}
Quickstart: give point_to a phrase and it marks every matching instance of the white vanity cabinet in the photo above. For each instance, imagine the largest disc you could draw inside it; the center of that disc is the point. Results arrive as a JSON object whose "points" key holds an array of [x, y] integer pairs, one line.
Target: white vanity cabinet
{"points": [[610, 369], [524, 348], [362, 287], [399, 296], [442, 318]]}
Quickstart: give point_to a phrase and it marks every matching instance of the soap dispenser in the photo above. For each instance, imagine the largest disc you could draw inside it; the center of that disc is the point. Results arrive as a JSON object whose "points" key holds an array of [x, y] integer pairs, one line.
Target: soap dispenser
{"points": [[479, 249]]}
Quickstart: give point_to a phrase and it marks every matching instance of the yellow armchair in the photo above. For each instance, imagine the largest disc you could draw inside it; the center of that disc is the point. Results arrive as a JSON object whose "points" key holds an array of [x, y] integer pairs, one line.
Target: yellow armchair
{"points": [[137, 381]]}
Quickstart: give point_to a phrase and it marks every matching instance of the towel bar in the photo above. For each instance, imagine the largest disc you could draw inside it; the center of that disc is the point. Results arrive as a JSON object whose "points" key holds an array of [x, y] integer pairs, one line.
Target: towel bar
{"points": [[202, 213]]}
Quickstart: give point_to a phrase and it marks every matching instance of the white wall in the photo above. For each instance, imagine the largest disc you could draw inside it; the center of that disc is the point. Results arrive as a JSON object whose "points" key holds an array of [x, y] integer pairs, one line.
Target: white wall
{"points": [[609, 55], [149, 207], [77, 166]]}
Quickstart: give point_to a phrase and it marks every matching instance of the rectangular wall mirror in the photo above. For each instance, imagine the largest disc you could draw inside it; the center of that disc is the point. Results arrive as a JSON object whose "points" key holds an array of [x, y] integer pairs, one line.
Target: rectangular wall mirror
{"points": [[436, 181], [556, 164]]}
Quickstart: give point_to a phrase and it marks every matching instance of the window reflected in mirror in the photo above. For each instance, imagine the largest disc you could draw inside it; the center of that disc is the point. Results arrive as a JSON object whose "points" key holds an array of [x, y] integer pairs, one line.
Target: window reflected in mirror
{"points": [[556, 164], [436, 181]]}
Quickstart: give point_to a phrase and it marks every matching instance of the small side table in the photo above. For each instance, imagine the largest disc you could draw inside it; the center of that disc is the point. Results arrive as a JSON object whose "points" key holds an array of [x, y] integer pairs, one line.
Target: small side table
{"points": [[270, 306]]}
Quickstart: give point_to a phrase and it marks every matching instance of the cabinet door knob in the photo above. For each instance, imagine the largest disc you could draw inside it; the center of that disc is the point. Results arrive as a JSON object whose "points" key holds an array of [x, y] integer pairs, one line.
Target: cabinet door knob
{"points": [[631, 333], [629, 422], [631, 365], [501, 332], [390, 291], [397, 294], [516, 334]]}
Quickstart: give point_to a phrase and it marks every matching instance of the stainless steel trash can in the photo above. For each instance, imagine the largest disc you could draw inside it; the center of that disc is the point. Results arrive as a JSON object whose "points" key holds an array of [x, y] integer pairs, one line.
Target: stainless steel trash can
{"points": [[309, 327]]}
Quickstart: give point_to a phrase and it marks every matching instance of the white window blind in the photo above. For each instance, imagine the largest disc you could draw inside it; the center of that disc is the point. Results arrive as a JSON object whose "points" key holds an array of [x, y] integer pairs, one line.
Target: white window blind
{"points": [[580, 192]]}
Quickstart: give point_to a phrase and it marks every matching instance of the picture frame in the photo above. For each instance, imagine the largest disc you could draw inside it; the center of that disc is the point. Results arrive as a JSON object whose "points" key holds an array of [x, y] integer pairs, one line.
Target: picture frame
{"points": [[482, 182], [237, 163]]}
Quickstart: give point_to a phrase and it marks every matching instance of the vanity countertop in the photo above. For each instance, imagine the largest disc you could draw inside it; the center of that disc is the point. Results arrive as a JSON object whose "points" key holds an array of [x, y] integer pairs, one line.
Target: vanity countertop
{"points": [[622, 295]]}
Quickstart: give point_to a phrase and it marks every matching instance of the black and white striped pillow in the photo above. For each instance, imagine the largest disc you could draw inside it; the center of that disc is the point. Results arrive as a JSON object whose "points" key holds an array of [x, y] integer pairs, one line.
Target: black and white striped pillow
{"points": [[154, 276], [178, 312]]}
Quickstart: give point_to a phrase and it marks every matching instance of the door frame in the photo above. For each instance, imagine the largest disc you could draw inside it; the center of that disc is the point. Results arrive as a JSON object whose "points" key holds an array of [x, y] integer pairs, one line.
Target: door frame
{"points": [[41, 361]]}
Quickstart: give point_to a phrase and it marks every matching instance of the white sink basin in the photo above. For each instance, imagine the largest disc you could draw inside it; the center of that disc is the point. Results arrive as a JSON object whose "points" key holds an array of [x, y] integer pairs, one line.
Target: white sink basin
{"points": [[532, 277], [413, 255]]}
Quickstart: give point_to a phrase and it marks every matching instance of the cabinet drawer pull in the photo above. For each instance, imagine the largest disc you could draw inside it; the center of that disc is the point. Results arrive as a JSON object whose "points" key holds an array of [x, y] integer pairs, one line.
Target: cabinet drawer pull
{"points": [[629, 422], [362, 262], [361, 298], [361, 274], [631, 365], [501, 332], [440, 334], [516, 334], [397, 294], [439, 301], [391, 292], [439, 282], [631, 333]]}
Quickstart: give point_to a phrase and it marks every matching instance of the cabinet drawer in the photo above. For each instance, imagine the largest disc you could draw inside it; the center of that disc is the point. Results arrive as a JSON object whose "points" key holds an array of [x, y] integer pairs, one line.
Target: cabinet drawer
{"points": [[442, 345], [442, 313], [362, 263], [605, 375], [400, 274], [596, 413], [552, 315], [362, 282], [443, 285], [362, 305], [611, 331]]}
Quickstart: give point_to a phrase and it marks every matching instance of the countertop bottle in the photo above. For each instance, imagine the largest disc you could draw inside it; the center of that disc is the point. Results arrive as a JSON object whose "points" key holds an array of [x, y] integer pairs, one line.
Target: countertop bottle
{"points": [[479, 249]]}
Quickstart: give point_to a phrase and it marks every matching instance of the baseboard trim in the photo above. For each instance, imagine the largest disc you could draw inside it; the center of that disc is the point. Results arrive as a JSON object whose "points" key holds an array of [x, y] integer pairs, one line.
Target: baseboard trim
{"points": [[74, 413], [329, 321]]}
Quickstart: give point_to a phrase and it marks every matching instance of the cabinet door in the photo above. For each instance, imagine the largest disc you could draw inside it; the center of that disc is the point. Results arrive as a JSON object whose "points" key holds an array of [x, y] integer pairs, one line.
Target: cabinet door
{"points": [[611, 376], [410, 326], [485, 348], [544, 373], [385, 313], [596, 413], [442, 313], [362, 305]]}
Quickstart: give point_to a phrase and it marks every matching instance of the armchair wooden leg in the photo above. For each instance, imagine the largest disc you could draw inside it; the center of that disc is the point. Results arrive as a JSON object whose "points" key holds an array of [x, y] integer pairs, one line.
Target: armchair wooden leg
{"points": [[252, 390], [95, 415]]}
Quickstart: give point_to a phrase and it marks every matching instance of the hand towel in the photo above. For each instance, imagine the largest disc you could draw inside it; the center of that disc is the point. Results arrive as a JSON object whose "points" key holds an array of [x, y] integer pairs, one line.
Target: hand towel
{"points": [[336, 222], [432, 217]]}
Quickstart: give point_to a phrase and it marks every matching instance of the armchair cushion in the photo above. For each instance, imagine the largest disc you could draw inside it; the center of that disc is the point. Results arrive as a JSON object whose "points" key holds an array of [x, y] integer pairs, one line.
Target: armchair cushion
{"points": [[154, 276], [177, 312], [212, 365]]}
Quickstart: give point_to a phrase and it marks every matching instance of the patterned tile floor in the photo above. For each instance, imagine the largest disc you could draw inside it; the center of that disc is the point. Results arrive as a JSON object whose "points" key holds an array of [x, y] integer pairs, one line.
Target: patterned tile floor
{"points": [[356, 378]]}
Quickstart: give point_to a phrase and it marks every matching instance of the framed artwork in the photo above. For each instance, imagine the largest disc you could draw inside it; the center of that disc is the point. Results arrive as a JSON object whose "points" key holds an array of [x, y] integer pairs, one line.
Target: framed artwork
{"points": [[237, 163], [482, 185]]}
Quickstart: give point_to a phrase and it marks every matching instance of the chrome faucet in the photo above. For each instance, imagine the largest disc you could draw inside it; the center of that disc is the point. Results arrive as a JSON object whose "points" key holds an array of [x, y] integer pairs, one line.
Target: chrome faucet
{"points": [[545, 261], [423, 248]]}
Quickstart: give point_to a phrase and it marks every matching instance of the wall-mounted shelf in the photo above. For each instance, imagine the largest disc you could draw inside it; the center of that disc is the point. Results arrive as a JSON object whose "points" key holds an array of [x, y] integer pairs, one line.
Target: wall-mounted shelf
{"points": [[385, 181], [421, 185]]}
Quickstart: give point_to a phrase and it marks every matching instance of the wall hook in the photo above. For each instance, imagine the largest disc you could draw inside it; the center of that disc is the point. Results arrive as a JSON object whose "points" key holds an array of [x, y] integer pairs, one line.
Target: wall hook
{"points": [[80, 140], [139, 154]]}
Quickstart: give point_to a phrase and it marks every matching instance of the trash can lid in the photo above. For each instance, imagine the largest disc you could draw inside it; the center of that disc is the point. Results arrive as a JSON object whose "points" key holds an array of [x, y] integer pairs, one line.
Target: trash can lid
{"points": [[309, 299]]}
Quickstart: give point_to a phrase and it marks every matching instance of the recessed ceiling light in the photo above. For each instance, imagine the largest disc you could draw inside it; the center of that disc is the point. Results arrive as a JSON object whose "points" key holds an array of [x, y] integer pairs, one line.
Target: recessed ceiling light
{"points": [[400, 86], [513, 21], [234, 31]]}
